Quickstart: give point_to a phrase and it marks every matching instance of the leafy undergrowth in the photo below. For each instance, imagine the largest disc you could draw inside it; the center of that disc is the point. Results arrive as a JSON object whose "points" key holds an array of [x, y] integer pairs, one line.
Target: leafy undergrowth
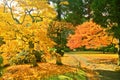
{"points": [[42, 71]]}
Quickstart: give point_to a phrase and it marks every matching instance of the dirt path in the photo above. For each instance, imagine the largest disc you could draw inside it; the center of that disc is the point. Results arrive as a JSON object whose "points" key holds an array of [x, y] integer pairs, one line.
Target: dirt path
{"points": [[100, 67], [89, 62]]}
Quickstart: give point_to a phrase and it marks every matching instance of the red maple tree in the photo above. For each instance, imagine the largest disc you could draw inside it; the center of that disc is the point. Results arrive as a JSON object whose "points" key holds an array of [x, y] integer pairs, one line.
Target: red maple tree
{"points": [[90, 35]]}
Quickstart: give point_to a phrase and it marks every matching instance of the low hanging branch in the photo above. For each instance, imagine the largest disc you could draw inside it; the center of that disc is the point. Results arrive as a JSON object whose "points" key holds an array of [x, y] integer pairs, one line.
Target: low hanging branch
{"points": [[12, 14]]}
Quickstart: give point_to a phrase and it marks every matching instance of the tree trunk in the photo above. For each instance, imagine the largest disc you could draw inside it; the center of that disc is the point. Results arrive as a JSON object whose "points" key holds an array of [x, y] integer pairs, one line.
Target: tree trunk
{"points": [[119, 52], [119, 59], [58, 59], [59, 11]]}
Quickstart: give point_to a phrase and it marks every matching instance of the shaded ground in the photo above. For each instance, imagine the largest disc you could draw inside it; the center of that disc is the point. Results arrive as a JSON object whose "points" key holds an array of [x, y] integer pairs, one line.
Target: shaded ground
{"points": [[109, 75], [101, 66]]}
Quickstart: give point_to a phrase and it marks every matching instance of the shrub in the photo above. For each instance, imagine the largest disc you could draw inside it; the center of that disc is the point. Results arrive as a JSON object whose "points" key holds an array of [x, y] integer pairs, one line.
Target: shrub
{"points": [[39, 56], [23, 57], [60, 50]]}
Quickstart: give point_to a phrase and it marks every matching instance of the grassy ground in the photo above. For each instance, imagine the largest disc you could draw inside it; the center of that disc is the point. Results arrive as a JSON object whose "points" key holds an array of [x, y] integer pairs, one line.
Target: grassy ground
{"points": [[104, 65], [79, 75]]}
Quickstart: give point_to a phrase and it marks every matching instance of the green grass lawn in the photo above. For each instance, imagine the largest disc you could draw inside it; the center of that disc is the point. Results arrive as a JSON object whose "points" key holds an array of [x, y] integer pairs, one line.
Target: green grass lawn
{"points": [[79, 75]]}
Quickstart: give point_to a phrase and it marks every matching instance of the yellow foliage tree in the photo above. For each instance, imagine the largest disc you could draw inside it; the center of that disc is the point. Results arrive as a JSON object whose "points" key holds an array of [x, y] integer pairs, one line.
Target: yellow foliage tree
{"points": [[27, 35]]}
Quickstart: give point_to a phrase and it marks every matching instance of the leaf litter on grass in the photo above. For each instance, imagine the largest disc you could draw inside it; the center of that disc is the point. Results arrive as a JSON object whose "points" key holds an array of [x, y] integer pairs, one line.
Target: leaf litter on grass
{"points": [[79, 75], [26, 72], [97, 62]]}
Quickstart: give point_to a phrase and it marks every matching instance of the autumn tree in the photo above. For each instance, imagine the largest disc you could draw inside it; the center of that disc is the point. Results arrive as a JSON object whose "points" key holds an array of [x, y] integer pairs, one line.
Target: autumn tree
{"points": [[25, 32], [19, 9], [107, 14], [58, 32], [60, 7], [74, 11], [90, 35]]}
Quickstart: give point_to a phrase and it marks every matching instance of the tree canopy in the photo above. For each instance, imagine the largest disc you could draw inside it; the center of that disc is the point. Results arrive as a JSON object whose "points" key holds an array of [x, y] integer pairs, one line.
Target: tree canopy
{"points": [[24, 28], [90, 35]]}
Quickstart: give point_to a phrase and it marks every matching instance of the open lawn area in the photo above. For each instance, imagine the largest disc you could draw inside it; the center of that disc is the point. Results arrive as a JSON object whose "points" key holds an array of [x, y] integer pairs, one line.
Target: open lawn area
{"points": [[103, 65]]}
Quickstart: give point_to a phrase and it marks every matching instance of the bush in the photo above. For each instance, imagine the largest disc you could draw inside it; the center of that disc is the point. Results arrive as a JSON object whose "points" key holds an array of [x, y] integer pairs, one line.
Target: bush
{"points": [[23, 57], [60, 51], [39, 56], [66, 49]]}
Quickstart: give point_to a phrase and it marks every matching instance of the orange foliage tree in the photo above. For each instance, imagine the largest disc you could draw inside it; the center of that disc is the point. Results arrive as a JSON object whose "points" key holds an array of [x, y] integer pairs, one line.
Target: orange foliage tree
{"points": [[90, 35]]}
